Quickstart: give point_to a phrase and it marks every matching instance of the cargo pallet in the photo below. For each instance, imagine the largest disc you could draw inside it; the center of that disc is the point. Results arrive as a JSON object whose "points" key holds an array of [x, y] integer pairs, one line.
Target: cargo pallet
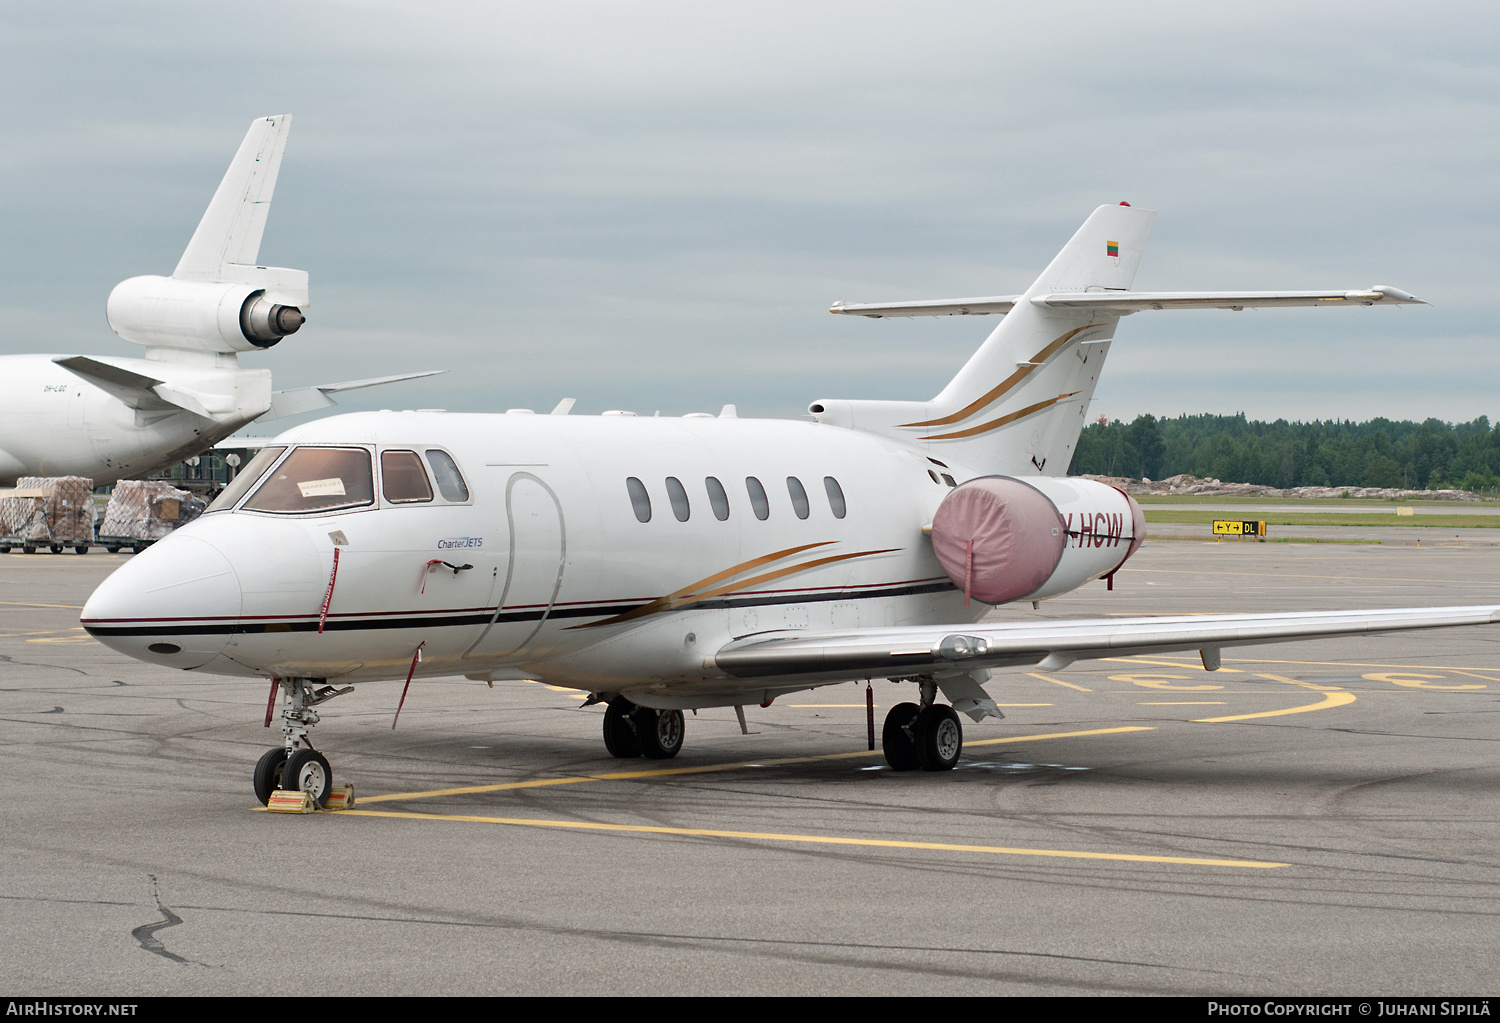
{"points": [[114, 544]]}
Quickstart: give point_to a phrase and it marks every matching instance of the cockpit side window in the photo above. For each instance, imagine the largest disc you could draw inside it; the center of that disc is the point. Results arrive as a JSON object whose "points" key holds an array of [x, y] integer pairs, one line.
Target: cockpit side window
{"points": [[449, 480], [316, 479], [247, 478], [402, 479]]}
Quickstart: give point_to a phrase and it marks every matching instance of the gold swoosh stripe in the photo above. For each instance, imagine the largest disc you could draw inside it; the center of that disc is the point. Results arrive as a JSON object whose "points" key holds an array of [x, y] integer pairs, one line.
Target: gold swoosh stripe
{"points": [[778, 574], [663, 603], [994, 395], [1002, 421], [683, 597]]}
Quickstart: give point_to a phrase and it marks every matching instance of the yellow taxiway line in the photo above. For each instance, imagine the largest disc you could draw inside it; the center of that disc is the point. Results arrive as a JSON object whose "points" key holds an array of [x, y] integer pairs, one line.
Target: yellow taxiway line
{"points": [[1329, 700], [1061, 735], [771, 836], [662, 772], [1059, 682], [22, 603]]}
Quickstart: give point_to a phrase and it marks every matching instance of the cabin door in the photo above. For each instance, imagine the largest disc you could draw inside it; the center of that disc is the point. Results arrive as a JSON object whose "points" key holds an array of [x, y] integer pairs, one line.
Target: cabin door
{"points": [[533, 573]]}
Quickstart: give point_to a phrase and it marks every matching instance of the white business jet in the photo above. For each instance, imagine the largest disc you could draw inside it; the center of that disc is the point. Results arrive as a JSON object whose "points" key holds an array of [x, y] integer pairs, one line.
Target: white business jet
{"points": [[671, 564], [111, 418]]}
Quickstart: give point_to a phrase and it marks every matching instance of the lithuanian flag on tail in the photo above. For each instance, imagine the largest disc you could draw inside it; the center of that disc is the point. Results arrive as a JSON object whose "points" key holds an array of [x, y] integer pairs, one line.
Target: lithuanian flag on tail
{"points": [[1112, 248]]}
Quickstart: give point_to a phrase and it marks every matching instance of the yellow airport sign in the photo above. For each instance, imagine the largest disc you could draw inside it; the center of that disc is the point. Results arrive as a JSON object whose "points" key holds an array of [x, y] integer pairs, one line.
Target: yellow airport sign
{"points": [[1225, 527]]}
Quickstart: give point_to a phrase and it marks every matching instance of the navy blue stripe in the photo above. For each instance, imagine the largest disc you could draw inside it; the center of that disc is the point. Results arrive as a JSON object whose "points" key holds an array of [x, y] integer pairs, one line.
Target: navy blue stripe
{"points": [[482, 619]]}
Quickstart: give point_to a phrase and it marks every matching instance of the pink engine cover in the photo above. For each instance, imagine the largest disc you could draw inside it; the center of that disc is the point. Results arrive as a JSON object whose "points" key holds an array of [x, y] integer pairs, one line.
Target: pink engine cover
{"points": [[1017, 535]]}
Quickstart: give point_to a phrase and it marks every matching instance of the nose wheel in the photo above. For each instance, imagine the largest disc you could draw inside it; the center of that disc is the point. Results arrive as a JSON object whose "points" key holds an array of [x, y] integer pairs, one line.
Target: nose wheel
{"points": [[268, 771], [308, 770], [295, 764]]}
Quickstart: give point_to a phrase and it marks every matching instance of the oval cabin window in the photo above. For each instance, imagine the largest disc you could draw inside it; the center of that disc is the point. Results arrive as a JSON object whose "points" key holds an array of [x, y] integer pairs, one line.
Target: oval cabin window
{"points": [[678, 496], [799, 497], [639, 499], [718, 500], [758, 501], [835, 497]]}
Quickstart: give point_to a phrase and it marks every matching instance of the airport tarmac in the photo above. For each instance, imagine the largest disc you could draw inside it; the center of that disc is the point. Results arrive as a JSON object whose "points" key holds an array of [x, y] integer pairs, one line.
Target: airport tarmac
{"points": [[1314, 818]]}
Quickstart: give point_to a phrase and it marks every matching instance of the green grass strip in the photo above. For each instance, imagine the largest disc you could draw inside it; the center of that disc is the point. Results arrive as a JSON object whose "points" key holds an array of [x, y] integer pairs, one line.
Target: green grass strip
{"points": [[1280, 518]]}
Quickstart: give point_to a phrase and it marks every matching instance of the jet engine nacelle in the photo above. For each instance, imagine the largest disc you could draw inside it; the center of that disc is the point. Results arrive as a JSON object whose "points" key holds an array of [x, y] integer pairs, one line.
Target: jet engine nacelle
{"points": [[1004, 538], [164, 312]]}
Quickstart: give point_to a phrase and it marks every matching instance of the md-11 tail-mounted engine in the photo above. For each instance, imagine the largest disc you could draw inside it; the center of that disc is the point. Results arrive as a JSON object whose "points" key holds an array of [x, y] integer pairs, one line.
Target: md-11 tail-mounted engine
{"points": [[210, 316], [1004, 538]]}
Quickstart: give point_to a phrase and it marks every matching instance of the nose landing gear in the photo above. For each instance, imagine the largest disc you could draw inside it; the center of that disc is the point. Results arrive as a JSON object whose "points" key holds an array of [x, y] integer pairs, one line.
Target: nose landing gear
{"points": [[928, 735], [295, 764]]}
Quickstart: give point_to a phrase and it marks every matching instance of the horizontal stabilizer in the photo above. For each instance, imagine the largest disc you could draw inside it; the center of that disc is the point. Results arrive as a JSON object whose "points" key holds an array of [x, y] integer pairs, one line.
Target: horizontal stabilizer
{"points": [[945, 648], [140, 392], [930, 307], [297, 400], [1134, 301], [1125, 302]]}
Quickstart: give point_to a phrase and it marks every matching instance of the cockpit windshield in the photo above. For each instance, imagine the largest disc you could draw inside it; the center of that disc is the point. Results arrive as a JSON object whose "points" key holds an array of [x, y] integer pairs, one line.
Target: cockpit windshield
{"points": [[317, 479], [247, 478]]}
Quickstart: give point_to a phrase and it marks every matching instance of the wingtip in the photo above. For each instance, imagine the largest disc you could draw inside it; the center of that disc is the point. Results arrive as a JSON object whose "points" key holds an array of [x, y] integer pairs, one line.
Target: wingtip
{"points": [[1399, 295]]}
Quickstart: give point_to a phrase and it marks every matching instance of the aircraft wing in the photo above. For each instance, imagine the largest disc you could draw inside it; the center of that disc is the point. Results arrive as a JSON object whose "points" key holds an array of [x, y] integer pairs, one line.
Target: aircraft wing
{"points": [[308, 399], [1054, 645], [1132, 301]]}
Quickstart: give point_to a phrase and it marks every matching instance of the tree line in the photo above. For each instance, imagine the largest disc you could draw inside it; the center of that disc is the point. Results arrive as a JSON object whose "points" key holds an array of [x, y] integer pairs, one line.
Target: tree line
{"points": [[1431, 455]]}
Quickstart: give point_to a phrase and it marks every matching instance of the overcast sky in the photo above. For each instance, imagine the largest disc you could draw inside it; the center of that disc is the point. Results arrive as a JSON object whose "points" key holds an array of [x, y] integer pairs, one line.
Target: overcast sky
{"points": [[651, 205]]}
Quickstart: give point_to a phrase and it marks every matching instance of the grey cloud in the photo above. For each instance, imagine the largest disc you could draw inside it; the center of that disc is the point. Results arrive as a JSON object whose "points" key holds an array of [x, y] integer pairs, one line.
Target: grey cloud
{"points": [[650, 205]]}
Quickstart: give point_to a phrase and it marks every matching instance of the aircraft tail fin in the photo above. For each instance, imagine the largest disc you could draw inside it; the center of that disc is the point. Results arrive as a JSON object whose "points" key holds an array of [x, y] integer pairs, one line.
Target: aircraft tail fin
{"points": [[219, 299], [230, 231], [1102, 255], [1018, 405]]}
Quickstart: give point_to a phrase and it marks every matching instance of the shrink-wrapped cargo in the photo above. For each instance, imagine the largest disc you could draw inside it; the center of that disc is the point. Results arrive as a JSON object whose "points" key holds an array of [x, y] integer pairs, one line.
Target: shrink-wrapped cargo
{"points": [[24, 516], [61, 514], [148, 510]]}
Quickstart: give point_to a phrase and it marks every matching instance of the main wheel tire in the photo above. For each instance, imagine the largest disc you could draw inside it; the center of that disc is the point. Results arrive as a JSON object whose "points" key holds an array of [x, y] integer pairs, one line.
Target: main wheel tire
{"points": [[308, 770], [620, 729], [268, 773], [660, 732], [900, 750], [940, 738]]}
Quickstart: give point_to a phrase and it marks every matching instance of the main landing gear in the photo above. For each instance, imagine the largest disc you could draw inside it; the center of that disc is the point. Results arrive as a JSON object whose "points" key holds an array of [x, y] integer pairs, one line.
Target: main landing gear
{"points": [[295, 764], [633, 731], [926, 735]]}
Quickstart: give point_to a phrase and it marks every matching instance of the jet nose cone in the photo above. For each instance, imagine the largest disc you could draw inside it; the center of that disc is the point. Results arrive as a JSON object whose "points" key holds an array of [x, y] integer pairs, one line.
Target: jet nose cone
{"points": [[175, 604]]}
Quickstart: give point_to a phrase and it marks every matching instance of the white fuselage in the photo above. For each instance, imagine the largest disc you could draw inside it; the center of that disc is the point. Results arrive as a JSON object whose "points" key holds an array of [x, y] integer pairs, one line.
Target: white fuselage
{"points": [[55, 423], [566, 583]]}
